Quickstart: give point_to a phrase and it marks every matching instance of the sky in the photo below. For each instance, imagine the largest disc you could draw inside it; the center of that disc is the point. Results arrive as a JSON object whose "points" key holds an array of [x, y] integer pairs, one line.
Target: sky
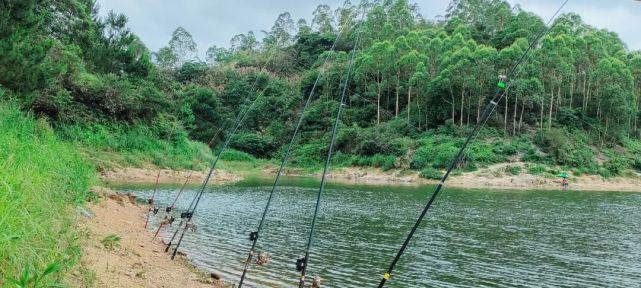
{"points": [[215, 22]]}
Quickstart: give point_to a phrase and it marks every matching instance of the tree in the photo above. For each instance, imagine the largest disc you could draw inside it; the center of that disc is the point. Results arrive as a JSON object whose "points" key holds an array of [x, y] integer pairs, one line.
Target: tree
{"points": [[183, 46], [323, 19]]}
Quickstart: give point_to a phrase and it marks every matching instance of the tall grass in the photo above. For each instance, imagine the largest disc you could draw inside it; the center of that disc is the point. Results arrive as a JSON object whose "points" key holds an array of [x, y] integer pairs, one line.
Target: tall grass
{"points": [[41, 178], [136, 145]]}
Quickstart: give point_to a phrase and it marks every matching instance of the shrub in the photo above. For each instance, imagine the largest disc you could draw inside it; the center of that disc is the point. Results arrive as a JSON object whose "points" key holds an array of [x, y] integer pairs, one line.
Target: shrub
{"points": [[235, 155], [514, 170], [605, 173], [385, 162], [431, 173], [536, 169], [252, 143], [615, 165]]}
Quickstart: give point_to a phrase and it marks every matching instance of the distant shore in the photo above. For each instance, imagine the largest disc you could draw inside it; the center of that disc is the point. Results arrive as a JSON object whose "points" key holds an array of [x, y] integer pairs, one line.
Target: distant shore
{"points": [[488, 177]]}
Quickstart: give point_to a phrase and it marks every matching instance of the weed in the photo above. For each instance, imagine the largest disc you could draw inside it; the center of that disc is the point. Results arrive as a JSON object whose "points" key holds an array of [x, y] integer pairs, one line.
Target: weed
{"points": [[111, 242]]}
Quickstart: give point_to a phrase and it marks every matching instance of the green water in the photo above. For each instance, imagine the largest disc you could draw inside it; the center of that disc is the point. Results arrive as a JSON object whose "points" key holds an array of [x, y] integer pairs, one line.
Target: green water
{"points": [[470, 238]]}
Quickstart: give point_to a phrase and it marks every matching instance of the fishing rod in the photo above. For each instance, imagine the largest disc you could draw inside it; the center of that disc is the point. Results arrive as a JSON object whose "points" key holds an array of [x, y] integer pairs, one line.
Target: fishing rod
{"points": [[152, 207], [190, 213], [254, 236], [502, 87], [187, 214], [169, 208], [302, 263]]}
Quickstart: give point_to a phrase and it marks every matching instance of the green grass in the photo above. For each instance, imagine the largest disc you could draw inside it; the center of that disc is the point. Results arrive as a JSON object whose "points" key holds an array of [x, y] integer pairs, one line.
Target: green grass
{"points": [[41, 181], [136, 146]]}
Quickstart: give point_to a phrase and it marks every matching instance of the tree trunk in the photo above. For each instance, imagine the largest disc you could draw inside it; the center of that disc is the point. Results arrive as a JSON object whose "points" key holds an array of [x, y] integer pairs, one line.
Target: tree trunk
{"points": [[418, 108], [462, 105], [453, 106], [409, 103], [516, 102], [521, 117], [558, 103], [550, 110], [398, 87], [378, 102], [507, 103]]}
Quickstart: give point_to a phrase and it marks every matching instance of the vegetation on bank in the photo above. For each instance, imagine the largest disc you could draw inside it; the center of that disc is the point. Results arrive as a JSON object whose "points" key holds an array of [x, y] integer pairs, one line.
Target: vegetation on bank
{"points": [[42, 179]]}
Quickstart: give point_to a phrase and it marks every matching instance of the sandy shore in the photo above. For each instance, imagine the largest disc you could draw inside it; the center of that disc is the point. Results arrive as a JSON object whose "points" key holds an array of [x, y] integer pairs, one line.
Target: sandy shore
{"points": [[493, 177], [136, 261], [144, 175]]}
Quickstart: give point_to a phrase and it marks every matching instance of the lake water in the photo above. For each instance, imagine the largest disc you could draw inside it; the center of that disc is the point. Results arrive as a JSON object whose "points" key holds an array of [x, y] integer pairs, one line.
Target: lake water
{"points": [[470, 238]]}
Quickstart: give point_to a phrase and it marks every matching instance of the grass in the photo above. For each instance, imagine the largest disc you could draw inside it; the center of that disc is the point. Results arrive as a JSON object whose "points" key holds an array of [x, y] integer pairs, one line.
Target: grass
{"points": [[136, 146], [41, 180]]}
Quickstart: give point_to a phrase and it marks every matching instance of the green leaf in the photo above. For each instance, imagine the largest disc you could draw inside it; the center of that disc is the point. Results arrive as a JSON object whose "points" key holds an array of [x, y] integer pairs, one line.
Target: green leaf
{"points": [[52, 268]]}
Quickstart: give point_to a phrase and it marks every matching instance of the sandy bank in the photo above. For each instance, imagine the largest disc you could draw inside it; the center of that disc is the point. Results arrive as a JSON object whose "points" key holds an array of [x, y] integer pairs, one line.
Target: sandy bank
{"points": [[493, 177], [145, 175], [136, 261]]}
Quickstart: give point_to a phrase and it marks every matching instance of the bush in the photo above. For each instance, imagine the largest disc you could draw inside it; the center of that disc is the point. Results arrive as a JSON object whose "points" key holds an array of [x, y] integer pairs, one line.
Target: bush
{"points": [[605, 173], [235, 155], [514, 170], [435, 152], [252, 143], [385, 162], [431, 173], [536, 169], [136, 145], [615, 165]]}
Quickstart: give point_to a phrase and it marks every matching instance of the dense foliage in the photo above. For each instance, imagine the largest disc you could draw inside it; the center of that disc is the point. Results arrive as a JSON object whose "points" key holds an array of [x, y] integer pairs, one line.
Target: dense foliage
{"points": [[418, 85]]}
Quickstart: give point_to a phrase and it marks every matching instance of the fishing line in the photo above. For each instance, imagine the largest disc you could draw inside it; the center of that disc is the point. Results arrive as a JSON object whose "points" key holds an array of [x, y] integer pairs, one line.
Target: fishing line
{"points": [[254, 236], [486, 114], [302, 264], [152, 207], [239, 119]]}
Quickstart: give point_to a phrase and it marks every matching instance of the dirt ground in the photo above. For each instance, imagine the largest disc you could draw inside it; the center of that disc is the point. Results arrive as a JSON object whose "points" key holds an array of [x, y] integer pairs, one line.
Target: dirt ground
{"points": [[144, 175], [136, 261], [493, 177]]}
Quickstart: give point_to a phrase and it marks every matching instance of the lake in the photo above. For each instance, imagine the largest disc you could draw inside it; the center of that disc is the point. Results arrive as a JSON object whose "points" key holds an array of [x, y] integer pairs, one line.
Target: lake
{"points": [[470, 238]]}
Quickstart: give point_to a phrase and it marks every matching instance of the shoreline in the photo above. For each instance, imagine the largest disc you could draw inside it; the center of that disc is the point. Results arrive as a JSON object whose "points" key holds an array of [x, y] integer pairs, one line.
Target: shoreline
{"points": [[166, 176], [492, 177], [136, 260]]}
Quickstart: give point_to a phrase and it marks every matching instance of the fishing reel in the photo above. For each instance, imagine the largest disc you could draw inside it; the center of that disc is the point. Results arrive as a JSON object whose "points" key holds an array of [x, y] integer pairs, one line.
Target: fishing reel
{"points": [[186, 215], [150, 201], [168, 209], [253, 236], [155, 210], [300, 264], [502, 82]]}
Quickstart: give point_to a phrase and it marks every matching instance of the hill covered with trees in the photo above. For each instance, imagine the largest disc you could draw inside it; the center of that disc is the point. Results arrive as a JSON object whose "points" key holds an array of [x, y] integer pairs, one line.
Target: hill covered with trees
{"points": [[419, 85]]}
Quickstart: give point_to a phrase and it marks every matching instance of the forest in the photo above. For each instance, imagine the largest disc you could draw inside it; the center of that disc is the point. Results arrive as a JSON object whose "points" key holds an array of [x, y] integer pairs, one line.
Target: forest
{"points": [[418, 85], [76, 83]]}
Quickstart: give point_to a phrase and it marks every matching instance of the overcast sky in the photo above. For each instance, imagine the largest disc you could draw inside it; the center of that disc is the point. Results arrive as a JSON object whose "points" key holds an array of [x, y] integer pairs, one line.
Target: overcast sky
{"points": [[215, 22]]}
